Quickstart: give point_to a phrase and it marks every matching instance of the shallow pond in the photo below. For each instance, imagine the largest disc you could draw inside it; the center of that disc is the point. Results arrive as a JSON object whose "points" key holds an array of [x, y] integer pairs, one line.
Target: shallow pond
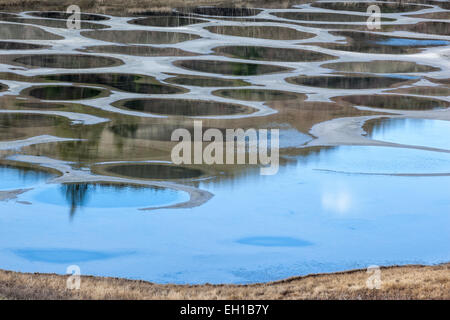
{"points": [[223, 11], [80, 196], [391, 7], [139, 36], [316, 224], [229, 67], [272, 54], [379, 160], [9, 45], [257, 95], [425, 91], [206, 81], [443, 15], [348, 82], [24, 32], [40, 105], [324, 16], [398, 102], [18, 126], [139, 51], [65, 16], [66, 61], [122, 81], [181, 107], [166, 21], [150, 171], [64, 92], [380, 66], [417, 132], [431, 27], [263, 32], [12, 177], [62, 24], [382, 44]]}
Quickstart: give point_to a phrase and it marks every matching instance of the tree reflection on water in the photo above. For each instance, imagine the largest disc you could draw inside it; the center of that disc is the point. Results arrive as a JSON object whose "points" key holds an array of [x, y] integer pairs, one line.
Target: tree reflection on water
{"points": [[76, 195]]}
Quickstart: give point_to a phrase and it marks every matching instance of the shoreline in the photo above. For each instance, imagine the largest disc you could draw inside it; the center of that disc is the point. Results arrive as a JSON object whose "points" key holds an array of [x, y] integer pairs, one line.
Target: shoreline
{"points": [[115, 7], [397, 282]]}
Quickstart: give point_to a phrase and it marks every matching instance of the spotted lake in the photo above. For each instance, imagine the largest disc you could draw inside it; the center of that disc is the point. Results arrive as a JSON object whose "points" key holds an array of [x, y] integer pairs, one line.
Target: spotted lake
{"points": [[86, 117]]}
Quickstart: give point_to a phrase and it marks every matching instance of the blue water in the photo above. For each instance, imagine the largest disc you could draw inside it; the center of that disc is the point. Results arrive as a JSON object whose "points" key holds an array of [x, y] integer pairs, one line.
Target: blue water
{"points": [[418, 132], [256, 228], [412, 42], [393, 75], [12, 178], [65, 255], [274, 242], [382, 160], [107, 196]]}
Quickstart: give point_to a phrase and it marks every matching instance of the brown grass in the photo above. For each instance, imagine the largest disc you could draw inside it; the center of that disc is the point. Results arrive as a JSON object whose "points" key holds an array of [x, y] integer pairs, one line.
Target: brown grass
{"points": [[123, 8], [398, 282]]}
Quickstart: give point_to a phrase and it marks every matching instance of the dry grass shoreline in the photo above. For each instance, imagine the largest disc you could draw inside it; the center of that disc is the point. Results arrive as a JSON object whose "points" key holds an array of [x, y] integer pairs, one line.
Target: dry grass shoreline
{"points": [[398, 282], [117, 7]]}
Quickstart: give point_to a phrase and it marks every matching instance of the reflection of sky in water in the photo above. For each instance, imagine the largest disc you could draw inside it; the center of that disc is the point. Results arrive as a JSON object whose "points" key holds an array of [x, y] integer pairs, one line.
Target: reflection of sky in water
{"points": [[386, 160], [256, 227], [274, 242], [291, 138], [411, 42], [65, 255], [429, 133], [108, 196], [403, 76], [12, 178]]}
